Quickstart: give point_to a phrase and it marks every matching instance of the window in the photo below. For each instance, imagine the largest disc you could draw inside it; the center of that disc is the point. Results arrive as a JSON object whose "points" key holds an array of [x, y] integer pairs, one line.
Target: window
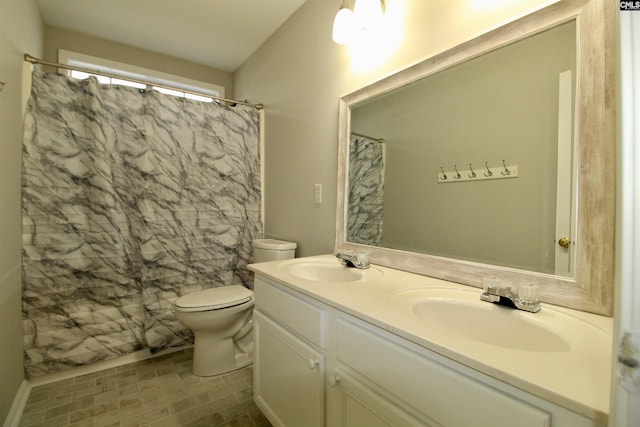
{"points": [[138, 73]]}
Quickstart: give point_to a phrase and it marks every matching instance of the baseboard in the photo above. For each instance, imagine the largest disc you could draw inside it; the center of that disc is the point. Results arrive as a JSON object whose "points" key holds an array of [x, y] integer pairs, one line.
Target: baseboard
{"points": [[102, 365], [19, 402]]}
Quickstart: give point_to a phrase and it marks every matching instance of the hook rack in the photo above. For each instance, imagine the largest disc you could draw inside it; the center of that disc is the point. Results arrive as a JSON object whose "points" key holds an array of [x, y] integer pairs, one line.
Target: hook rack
{"points": [[498, 172]]}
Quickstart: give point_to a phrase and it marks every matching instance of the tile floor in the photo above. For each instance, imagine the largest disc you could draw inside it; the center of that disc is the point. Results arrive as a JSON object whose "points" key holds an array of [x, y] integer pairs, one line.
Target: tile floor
{"points": [[157, 392]]}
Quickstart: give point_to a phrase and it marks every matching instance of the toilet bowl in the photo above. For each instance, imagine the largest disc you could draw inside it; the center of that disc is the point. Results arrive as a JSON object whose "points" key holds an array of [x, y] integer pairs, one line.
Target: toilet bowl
{"points": [[220, 319]]}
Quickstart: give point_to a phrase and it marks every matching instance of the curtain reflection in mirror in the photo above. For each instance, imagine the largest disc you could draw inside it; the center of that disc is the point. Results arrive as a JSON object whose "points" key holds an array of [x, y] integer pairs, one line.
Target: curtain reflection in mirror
{"points": [[366, 189]]}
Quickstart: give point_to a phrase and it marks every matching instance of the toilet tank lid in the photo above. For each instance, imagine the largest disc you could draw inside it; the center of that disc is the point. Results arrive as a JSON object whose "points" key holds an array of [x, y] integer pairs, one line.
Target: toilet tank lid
{"points": [[215, 298], [273, 244]]}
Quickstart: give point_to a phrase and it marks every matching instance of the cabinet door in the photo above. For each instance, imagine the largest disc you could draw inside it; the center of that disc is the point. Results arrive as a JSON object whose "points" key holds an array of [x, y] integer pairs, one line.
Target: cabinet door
{"points": [[425, 384], [288, 376], [356, 405]]}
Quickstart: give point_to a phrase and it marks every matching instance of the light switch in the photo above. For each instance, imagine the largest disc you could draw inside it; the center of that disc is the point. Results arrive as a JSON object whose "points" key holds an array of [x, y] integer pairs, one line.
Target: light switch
{"points": [[317, 195]]}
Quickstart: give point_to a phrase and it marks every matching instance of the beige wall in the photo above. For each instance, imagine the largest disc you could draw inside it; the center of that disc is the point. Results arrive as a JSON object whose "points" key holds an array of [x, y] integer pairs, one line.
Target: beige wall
{"points": [[299, 74], [57, 38], [21, 31]]}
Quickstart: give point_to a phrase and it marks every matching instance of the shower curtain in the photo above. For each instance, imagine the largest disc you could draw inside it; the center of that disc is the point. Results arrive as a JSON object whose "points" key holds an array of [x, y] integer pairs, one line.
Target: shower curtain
{"points": [[366, 190], [130, 199]]}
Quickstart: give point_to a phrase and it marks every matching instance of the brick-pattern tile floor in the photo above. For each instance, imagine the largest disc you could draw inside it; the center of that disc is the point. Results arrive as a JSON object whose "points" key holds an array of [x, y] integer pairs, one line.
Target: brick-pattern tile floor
{"points": [[157, 392]]}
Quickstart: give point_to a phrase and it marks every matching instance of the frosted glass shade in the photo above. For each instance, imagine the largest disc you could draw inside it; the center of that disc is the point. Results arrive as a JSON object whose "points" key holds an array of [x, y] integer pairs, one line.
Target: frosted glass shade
{"points": [[343, 26]]}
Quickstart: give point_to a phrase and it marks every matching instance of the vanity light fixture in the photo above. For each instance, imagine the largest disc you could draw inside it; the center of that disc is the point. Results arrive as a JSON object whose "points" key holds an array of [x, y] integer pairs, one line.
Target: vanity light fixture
{"points": [[366, 15], [343, 24]]}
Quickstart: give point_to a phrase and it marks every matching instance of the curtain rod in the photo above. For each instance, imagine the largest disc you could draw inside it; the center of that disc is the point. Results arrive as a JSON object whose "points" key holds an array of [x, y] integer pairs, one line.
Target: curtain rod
{"points": [[361, 135], [34, 60]]}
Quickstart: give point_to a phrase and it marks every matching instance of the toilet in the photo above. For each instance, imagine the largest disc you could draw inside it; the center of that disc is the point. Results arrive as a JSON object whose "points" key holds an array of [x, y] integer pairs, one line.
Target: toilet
{"points": [[220, 318]]}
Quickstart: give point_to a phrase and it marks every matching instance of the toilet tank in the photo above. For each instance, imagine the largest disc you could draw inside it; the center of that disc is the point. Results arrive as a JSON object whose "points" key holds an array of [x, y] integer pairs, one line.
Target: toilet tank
{"points": [[272, 250]]}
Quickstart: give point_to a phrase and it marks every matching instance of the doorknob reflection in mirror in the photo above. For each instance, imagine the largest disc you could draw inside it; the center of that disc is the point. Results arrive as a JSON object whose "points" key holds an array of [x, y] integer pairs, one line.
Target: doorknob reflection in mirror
{"points": [[564, 242]]}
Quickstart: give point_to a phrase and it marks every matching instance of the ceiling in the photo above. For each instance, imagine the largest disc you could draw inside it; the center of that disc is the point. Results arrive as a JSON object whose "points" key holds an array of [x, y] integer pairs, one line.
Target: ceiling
{"points": [[218, 33]]}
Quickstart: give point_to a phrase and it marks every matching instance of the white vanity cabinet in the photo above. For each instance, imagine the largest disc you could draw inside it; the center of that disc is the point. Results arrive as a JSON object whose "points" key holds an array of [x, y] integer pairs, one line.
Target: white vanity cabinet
{"points": [[290, 364], [289, 376], [316, 365]]}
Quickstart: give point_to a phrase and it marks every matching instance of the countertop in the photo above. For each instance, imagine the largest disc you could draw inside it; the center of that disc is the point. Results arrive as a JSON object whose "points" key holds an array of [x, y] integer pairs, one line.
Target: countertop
{"points": [[578, 380]]}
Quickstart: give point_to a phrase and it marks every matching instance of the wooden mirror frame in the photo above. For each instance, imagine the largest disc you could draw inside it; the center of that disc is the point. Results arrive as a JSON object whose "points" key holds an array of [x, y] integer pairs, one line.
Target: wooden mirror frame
{"points": [[591, 288]]}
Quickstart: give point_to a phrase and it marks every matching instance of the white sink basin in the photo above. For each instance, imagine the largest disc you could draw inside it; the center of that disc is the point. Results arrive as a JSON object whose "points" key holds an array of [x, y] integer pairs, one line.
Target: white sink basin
{"points": [[461, 313], [328, 271]]}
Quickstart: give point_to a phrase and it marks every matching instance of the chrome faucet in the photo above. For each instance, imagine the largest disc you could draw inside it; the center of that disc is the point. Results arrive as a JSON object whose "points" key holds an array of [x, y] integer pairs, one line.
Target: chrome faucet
{"points": [[357, 261], [526, 299]]}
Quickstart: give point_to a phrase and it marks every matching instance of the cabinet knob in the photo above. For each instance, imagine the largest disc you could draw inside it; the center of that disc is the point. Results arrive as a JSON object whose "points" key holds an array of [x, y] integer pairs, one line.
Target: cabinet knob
{"points": [[334, 380], [313, 363]]}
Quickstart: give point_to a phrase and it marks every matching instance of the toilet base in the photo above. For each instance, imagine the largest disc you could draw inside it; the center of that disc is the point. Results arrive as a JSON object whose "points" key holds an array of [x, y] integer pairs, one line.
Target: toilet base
{"points": [[243, 359], [214, 357]]}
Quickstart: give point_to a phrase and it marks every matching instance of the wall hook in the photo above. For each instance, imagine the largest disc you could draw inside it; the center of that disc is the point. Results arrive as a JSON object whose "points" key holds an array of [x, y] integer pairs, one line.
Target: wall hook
{"points": [[506, 171], [457, 175], [473, 174], [488, 173], [444, 175], [2, 83]]}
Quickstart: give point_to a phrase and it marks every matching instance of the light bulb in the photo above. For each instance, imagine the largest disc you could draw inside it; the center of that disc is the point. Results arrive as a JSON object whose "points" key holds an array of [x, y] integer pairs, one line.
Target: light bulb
{"points": [[343, 25], [368, 13]]}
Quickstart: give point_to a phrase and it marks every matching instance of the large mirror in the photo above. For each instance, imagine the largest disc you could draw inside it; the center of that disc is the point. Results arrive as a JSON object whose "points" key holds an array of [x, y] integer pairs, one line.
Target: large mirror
{"points": [[496, 157]]}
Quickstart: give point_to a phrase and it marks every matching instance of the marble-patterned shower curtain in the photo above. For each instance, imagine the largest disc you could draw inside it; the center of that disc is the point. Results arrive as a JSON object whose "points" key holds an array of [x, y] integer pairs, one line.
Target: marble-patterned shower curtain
{"points": [[130, 200], [366, 191]]}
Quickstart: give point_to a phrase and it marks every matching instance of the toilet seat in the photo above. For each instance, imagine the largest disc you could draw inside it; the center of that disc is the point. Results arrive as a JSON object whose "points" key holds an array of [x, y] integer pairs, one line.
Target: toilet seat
{"points": [[214, 298]]}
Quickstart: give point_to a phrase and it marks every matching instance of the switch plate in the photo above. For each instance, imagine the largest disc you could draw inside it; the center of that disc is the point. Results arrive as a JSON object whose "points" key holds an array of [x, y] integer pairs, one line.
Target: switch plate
{"points": [[317, 194]]}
